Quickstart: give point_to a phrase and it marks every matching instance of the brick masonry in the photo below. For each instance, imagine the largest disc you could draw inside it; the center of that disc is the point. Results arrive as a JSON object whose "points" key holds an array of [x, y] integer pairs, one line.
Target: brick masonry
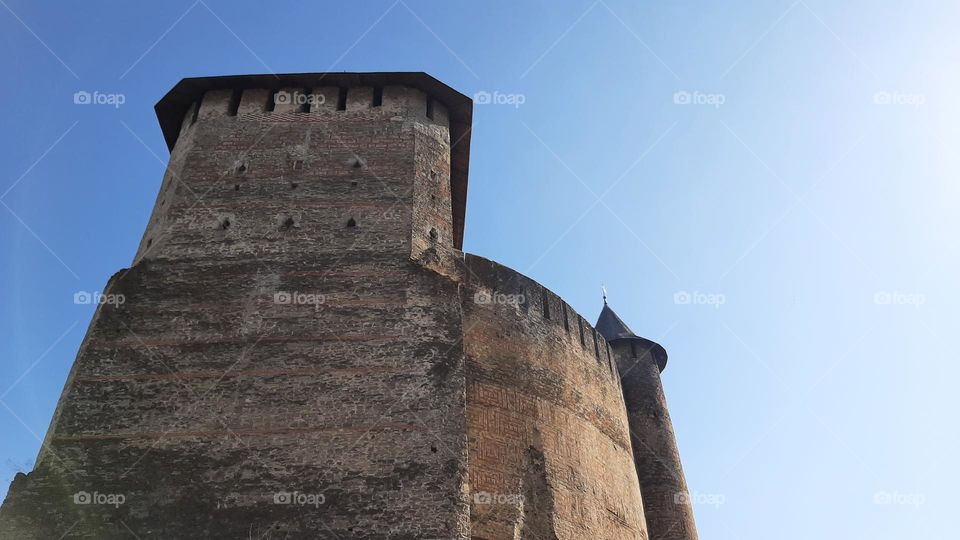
{"points": [[545, 416], [305, 352]]}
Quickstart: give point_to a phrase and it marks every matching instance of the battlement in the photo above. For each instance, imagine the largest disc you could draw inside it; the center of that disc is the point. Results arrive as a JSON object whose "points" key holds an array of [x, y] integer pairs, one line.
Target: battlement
{"points": [[548, 314], [315, 97], [309, 104]]}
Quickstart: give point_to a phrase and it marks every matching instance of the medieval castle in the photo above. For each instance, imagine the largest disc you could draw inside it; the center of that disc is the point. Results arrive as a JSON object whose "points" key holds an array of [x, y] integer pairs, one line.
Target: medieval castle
{"points": [[305, 351]]}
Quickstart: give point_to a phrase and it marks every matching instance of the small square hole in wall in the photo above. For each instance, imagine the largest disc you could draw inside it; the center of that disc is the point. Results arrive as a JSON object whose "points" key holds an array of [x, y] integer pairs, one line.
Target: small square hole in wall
{"points": [[234, 102], [298, 165], [305, 106], [196, 112]]}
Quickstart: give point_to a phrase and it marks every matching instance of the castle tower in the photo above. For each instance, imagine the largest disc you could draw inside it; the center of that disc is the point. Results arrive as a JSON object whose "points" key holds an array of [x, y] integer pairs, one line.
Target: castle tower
{"points": [[285, 363], [305, 351], [666, 500]]}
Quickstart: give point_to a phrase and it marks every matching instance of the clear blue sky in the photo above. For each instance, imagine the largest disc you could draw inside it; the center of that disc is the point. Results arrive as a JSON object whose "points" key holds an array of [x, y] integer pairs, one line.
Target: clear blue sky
{"points": [[790, 165]]}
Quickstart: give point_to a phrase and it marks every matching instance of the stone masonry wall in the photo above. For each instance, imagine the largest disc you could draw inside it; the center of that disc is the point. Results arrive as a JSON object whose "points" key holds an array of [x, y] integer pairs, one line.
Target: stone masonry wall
{"points": [[280, 368], [550, 452]]}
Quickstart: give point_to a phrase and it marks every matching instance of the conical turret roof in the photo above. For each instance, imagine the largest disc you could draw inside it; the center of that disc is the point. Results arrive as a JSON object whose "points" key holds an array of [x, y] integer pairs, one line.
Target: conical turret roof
{"points": [[611, 326]]}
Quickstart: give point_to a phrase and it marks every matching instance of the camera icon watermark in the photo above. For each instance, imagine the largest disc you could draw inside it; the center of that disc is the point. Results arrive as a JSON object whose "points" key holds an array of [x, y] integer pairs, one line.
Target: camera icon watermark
{"points": [[299, 499], [684, 97], [96, 297], [496, 97], [82, 97], [686, 298], [899, 98], [110, 499]]}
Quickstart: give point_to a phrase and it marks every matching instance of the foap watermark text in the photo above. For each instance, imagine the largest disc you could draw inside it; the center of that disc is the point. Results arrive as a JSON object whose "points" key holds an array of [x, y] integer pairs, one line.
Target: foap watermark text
{"points": [[895, 298], [82, 97], [298, 98], [109, 499], [294, 298], [697, 298], [485, 297], [299, 499], [684, 97], [96, 297], [899, 98], [891, 498], [700, 499], [485, 497], [499, 98]]}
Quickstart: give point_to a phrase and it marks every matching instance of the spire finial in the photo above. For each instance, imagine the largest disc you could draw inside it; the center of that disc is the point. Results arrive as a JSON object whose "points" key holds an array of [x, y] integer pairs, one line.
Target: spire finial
{"points": [[604, 289]]}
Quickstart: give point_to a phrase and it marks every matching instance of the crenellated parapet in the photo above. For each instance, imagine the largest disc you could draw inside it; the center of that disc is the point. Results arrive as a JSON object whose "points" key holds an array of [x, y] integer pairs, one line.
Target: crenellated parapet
{"points": [[547, 316], [309, 104]]}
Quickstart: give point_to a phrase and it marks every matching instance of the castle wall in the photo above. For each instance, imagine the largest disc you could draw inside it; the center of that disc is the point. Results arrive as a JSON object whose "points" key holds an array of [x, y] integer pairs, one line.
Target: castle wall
{"points": [[268, 346], [303, 352], [550, 453]]}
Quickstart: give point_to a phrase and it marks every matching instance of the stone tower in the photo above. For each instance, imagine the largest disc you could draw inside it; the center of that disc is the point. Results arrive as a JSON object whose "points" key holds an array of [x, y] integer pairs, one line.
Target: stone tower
{"points": [[666, 500], [304, 351]]}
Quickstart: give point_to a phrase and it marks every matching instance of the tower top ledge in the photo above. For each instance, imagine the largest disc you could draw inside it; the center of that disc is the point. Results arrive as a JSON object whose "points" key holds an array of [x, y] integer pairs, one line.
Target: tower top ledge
{"points": [[172, 108]]}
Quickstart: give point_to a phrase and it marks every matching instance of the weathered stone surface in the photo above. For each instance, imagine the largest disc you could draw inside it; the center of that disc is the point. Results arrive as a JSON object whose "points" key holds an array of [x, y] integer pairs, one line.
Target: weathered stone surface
{"points": [[304, 351], [666, 500], [545, 416]]}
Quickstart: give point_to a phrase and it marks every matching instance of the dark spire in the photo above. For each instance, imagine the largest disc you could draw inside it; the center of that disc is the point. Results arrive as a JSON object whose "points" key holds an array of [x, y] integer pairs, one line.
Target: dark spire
{"points": [[610, 326]]}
